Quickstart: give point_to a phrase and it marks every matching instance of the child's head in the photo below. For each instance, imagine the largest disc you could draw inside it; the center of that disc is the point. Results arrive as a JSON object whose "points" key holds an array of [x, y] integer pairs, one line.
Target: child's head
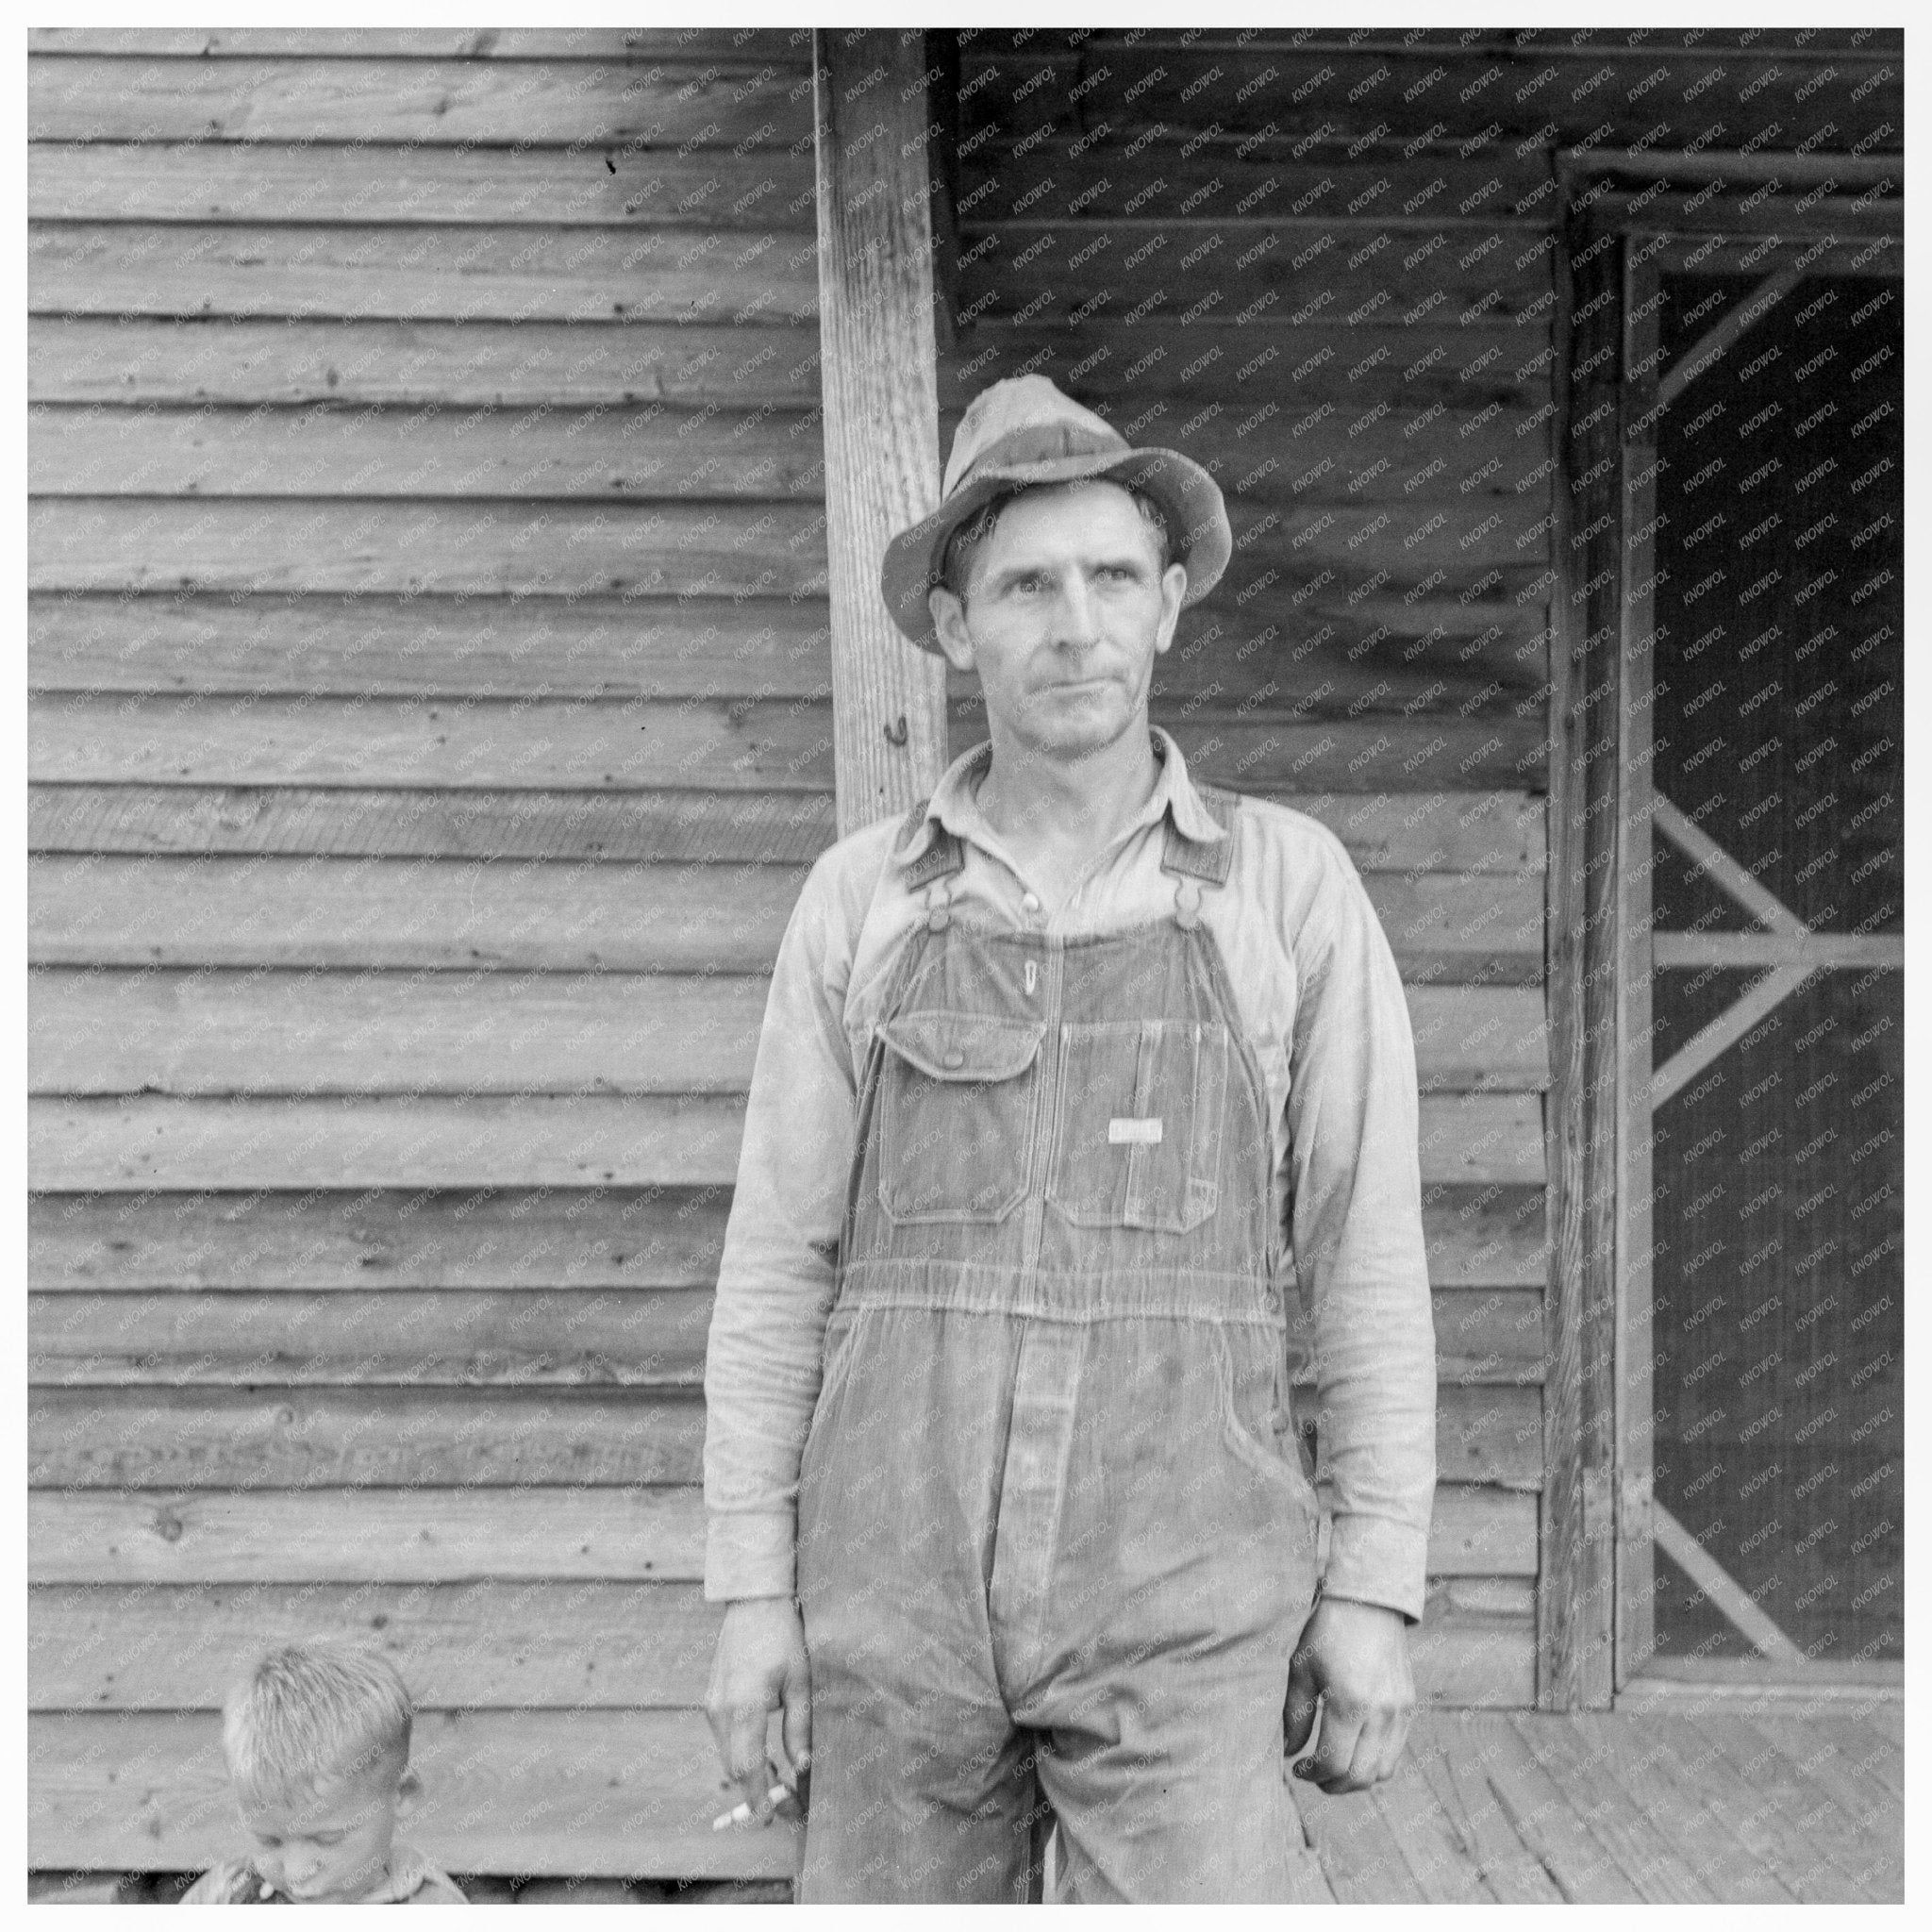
{"points": [[317, 1738]]}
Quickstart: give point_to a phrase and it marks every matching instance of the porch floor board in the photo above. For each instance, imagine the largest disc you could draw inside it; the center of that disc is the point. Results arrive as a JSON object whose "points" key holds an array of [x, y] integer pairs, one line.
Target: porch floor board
{"points": [[1739, 1804]]}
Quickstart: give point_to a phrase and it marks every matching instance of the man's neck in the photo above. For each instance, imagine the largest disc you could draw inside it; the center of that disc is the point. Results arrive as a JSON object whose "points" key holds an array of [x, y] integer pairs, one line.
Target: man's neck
{"points": [[1069, 808]]}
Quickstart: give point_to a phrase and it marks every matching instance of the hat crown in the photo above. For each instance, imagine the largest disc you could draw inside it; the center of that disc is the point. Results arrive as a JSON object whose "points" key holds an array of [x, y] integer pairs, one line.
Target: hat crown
{"points": [[1025, 419]]}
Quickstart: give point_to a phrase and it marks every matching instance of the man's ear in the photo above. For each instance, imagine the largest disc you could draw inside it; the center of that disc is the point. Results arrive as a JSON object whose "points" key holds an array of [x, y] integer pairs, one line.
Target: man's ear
{"points": [[408, 1792], [1174, 587], [949, 626]]}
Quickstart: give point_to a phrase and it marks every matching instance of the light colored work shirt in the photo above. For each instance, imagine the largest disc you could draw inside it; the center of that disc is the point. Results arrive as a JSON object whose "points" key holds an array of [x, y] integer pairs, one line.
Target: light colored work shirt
{"points": [[1322, 1006]]}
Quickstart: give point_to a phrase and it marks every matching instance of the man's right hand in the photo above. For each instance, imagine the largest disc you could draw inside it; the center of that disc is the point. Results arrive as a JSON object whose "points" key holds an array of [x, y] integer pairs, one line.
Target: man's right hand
{"points": [[760, 1667]]}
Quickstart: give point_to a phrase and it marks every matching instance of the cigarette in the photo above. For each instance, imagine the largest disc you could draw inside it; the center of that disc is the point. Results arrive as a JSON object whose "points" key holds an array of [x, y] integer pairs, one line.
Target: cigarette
{"points": [[740, 1812]]}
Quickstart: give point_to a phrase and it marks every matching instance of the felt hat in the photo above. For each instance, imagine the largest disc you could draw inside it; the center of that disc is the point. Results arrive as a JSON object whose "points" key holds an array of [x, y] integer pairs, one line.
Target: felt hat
{"points": [[1024, 431]]}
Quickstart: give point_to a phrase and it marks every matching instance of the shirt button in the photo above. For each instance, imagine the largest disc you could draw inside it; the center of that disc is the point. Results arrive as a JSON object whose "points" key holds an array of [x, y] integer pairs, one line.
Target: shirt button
{"points": [[955, 1060], [1031, 901]]}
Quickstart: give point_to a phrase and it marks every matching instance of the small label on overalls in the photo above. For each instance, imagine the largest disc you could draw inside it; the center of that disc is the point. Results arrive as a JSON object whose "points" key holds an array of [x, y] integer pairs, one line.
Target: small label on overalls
{"points": [[1131, 1130]]}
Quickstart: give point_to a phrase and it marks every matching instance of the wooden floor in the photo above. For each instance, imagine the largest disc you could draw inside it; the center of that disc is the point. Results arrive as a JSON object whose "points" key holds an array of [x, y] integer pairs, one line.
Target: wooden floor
{"points": [[1705, 1800]]}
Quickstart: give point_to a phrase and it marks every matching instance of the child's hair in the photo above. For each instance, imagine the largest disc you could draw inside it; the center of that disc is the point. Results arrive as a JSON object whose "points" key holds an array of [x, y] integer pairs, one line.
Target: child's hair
{"points": [[310, 1714]]}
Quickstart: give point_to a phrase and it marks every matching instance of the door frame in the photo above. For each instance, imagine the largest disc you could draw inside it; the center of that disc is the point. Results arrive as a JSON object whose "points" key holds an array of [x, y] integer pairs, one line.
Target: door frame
{"points": [[1599, 1520]]}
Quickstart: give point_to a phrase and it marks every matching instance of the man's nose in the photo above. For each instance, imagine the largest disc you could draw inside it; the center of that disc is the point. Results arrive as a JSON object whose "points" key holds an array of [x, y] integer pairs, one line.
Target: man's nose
{"points": [[1078, 614]]}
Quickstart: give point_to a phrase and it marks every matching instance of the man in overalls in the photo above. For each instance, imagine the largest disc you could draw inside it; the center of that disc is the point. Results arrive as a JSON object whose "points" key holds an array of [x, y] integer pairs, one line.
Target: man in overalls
{"points": [[1002, 1489]]}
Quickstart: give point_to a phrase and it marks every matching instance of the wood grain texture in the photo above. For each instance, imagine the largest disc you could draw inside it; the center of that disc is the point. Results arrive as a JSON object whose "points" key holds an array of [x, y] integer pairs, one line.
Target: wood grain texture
{"points": [[701, 647], [220, 1031], [95, 543], [88, 359], [877, 294], [441, 1535], [280, 181], [1480, 833], [143, 1141], [1485, 1247], [696, 274], [383, 1239], [670, 46], [619, 454], [590, 916], [315, 96], [565, 1792]]}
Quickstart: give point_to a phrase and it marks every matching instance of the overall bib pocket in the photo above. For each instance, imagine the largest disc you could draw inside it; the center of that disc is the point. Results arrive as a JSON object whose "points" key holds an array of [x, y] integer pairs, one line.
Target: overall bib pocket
{"points": [[1142, 1106], [955, 1114]]}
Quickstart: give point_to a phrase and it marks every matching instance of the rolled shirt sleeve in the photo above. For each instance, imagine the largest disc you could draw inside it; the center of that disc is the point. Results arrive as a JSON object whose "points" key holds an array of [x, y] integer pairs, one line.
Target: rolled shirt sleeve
{"points": [[1355, 1221], [778, 1275]]}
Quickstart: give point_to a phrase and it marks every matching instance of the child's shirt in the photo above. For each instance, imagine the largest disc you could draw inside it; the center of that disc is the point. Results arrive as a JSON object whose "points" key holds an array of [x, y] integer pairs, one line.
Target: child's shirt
{"points": [[413, 1881]]}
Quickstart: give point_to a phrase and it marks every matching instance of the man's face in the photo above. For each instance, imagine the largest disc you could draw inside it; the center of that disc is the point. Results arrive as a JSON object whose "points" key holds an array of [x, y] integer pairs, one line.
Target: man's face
{"points": [[1066, 610], [330, 1846]]}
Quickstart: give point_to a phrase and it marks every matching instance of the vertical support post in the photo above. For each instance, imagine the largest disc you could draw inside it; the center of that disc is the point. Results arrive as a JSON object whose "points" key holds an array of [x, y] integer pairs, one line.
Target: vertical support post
{"points": [[1635, 1553], [879, 384], [1576, 1582]]}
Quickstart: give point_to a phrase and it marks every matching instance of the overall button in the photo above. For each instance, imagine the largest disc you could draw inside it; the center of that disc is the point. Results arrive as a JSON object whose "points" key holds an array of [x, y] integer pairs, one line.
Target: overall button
{"points": [[1272, 1302], [955, 1060], [1031, 901]]}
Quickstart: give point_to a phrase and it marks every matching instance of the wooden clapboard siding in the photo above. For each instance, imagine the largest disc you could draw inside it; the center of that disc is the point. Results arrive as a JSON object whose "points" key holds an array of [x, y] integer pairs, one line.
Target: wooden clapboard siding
{"points": [[432, 1534], [523, 1791], [590, 916], [86, 358], [496, 1645], [1482, 1241], [446, 404], [291, 182], [1472, 834]]}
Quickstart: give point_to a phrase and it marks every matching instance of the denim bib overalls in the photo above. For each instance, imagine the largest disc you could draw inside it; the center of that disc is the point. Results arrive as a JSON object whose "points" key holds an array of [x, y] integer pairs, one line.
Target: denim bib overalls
{"points": [[1055, 1541]]}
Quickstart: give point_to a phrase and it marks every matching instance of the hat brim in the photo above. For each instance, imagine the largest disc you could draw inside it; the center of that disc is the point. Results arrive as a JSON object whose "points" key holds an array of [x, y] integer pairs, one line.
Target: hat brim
{"points": [[1188, 495]]}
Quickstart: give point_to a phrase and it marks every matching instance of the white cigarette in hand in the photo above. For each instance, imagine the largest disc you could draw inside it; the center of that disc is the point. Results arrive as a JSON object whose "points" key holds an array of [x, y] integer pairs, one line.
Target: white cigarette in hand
{"points": [[740, 1812]]}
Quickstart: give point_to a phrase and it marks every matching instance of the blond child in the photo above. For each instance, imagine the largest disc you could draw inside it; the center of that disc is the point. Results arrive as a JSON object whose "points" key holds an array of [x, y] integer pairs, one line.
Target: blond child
{"points": [[317, 1740]]}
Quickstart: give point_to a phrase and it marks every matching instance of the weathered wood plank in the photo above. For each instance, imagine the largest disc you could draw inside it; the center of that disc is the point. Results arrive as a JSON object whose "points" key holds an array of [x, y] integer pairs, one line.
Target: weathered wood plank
{"points": [[1472, 1819], [96, 543], [219, 1031], [1362, 1858], [1339, 274], [1122, 366], [84, 358], [270, 1428], [384, 1239], [1467, 832], [664, 827], [393, 273], [1543, 1814], [148, 1142], [490, 1339], [393, 1141], [1164, 179], [637, 744], [1484, 1247], [325, 1032], [670, 45], [1468, 1661], [1643, 1765], [534, 1646], [531, 915], [277, 181], [445, 103], [762, 647], [1553, 93], [1748, 1813], [522, 1791], [1646, 1857], [437, 1535], [623, 454], [590, 916], [281, 1437], [652, 744]]}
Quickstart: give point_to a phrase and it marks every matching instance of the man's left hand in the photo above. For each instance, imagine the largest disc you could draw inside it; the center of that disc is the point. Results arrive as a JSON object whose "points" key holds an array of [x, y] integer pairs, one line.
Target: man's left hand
{"points": [[1352, 1658]]}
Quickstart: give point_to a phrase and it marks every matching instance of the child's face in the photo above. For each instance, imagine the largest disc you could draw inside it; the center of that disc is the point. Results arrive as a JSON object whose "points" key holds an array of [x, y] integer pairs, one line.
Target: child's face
{"points": [[331, 1846]]}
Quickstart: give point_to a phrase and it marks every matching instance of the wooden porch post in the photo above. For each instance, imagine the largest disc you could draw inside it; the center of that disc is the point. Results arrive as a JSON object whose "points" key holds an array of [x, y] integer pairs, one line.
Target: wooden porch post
{"points": [[879, 381]]}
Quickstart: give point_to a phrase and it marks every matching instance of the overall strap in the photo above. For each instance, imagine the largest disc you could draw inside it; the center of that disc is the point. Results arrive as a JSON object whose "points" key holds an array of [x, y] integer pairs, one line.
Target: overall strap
{"points": [[1200, 858]]}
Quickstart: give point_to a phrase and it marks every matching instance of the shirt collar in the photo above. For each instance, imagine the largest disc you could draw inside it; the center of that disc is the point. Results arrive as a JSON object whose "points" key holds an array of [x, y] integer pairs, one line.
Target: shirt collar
{"points": [[953, 806]]}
